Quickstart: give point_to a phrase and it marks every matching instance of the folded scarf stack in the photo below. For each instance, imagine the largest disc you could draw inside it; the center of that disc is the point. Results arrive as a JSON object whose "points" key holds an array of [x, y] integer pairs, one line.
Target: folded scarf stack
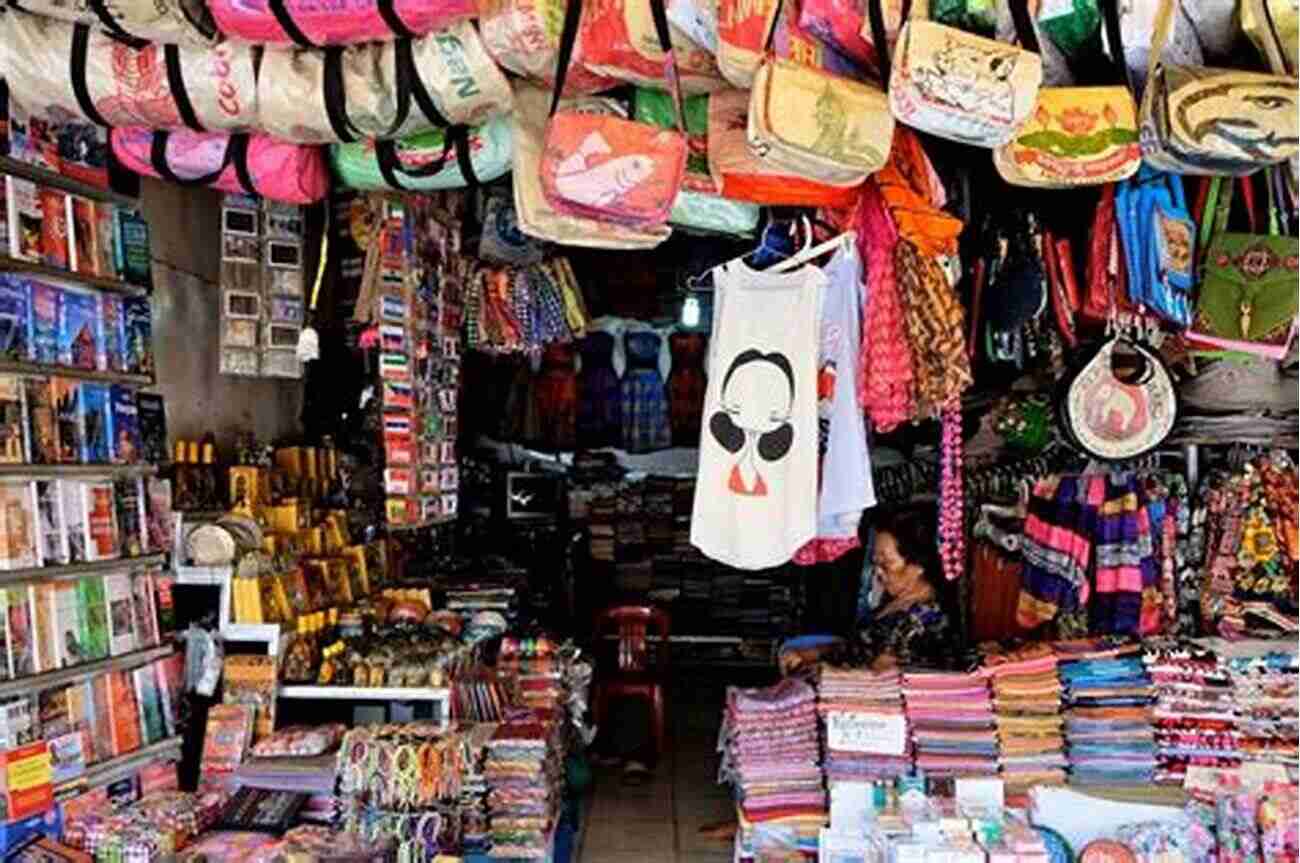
{"points": [[1027, 698], [1264, 691], [1108, 730], [871, 693], [523, 770], [772, 758], [475, 833], [1195, 719], [951, 717]]}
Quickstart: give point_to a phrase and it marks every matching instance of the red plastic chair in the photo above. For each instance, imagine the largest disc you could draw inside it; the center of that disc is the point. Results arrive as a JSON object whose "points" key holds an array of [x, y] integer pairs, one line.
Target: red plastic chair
{"points": [[641, 665]]}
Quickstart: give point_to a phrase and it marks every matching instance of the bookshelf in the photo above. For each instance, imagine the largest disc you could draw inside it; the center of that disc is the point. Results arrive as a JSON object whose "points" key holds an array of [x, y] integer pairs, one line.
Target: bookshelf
{"points": [[19, 472], [19, 168], [105, 772], [14, 367], [42, 573], [116, 286], [37, 682]]}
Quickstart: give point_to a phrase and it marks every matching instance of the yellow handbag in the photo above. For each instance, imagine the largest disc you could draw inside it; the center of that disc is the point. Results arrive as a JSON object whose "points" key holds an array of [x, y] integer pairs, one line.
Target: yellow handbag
{"points": [[1076, 136], [1274, 27], [817, 125]]}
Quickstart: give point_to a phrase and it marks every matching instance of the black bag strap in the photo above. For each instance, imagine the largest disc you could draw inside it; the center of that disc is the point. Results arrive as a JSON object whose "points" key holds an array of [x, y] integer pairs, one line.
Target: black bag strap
{"points": [[158, 158], [568, 36], [1115, 41], [409, 75], [336, 107], [77, 74], [406, 81], [390, 166], [237, 153], [288, 25], [388, 12], [176, 83], [110, 25], [1024, 22], [463, 160]]}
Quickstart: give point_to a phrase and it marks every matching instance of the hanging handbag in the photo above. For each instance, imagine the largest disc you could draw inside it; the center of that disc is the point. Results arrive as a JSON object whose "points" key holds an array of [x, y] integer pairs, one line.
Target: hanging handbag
{"points": [[537, 217], [960, 86], [520, 36], [609, 168], [1274, 27], [55, 69], [619, 40], [1197, 120], [1159, 239], [182, 22], [1076, 136], [381, 89], [309, 24], [816, 125], [743, 175], [240, 163], [437, 159], [1114, 420], [1248, 300], [742, 27], [698, 206]]}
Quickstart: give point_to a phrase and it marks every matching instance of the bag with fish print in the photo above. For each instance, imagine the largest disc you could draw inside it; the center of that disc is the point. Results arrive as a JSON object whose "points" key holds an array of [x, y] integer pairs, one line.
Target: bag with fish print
{"points": [[435, 159], [1076, 136], [242, 164], [960, 86], [818, 125], [610, 168], [743, 175], [620, 41], [58, 70], [380, 89], [1198, 120], [521, 37], [536, 216]]}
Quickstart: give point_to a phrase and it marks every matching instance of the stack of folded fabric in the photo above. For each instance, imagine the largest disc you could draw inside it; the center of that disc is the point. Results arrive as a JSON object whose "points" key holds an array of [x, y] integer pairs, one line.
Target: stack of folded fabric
{"points": [[1108, 725], [523, 771], [1264, 692], [1194, 714], [951, 719], [875, 695], [1027, 698], [532, 668], [475, 832], [772, 759], [601, 516]]}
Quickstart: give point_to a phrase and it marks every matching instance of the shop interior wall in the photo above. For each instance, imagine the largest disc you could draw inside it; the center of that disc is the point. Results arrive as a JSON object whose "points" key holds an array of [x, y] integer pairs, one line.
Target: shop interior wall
{"points": [[185, 230]]}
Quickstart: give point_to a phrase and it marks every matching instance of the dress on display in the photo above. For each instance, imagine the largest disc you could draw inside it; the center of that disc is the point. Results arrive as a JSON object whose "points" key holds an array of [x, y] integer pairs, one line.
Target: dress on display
{"points": [[600, 408], [555, 392], [686, 386], [645, 401]]}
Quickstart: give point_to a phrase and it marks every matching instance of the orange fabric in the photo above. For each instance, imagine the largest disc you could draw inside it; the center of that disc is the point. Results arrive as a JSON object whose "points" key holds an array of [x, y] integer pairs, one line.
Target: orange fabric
{"points": [[905, 185]]}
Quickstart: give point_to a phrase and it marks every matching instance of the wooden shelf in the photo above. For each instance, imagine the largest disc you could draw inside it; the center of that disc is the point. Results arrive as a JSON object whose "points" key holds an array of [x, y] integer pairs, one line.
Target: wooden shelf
{"points": [[39, 682], [52, 178], [117, 286], [74, 471], [124, 765], [35, 573], [15, 367]]}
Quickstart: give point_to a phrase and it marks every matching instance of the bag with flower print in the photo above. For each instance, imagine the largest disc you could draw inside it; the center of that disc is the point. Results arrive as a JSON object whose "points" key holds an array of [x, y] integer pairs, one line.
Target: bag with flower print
{"points": [[609, 168], [1076, 136]]}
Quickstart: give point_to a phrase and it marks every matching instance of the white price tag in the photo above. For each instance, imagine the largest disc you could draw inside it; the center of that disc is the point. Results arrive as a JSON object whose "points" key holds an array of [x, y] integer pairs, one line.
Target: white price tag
{"points": [[867, 732]]}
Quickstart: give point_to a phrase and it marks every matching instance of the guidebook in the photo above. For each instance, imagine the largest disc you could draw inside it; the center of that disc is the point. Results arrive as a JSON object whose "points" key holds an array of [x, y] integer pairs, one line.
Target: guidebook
{"points": [[93, 610], [125, 423], [121, 616], [97, 423], [15, 301], [45, 299], [42, 433], [79, 329], [12, 422], [69, 419]]}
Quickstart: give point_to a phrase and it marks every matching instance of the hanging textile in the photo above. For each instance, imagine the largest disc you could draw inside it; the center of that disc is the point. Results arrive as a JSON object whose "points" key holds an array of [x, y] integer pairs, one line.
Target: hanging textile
{"points": [[886, 377], [645, 401], [555, 391], [600, 401], [686, 386]]}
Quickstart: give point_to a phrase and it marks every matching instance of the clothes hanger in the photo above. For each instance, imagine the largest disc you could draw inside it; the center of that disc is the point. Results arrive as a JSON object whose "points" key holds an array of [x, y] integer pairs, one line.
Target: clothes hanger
{"points": [[844, 240], [697, 282]]}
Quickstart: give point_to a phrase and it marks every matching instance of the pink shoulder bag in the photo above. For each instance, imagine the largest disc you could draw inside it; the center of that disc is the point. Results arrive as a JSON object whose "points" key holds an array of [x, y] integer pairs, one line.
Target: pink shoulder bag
{"points": [[608, 168]]}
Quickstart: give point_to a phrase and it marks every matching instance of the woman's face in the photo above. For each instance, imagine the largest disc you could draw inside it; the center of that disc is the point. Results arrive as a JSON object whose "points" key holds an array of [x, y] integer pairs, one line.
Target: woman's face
{"points": [[895, 572]]}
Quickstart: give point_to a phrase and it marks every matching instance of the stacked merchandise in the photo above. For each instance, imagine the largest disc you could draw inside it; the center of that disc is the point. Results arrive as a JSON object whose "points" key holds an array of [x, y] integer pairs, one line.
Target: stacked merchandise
{"points": [[524, 768], [1027, 698], [859, 694], [658, 519], [1108, 721], [602, 515], [160, 824], [475, 828], [534, 669], [951, 718], [1264, 691], [69, 232], [1195, 720], [468, 600], [771, 757]]}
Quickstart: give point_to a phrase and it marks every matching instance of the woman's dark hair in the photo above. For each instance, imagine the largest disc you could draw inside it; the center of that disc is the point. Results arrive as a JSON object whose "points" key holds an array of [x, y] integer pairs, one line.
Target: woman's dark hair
{"points": [[916, 529]]}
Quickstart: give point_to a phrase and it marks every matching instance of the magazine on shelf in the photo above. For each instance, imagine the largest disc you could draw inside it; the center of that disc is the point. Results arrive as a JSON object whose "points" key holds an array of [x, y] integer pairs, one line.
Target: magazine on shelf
{"points": [[67, 758], [17, 526], [44, 329], [138, 327], [74, 519], [136, 263], [15, 317], [42, 599], [102, 538], [124, 421], [26, 219], [13, 421], [67, 625], [85, 236], [79, 328], [142, 603], [93, 610], [79, 709], [106, 229], [149, 701], [160, 522], [171, 682], [51, 533], [69, 419], [6, 652], [42, 431], [97, 423], [22, 637], [52, 710], [56, 245], [128, 497], [121, 614], [112, 341], [102, 716], [151, 418], [124, 711]]}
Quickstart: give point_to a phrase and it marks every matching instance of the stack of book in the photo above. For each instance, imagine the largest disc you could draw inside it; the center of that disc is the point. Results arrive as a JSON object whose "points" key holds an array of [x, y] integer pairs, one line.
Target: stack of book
{"points": [[87, 237]]}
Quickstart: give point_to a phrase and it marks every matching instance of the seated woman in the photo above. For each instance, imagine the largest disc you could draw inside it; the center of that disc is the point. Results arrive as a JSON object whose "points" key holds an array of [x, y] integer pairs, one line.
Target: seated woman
{"points": [[912, 626]]}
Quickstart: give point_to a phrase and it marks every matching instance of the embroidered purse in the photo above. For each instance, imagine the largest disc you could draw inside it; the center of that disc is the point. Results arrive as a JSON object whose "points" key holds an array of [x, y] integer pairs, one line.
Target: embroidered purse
{"points": [[1076, 136], [960, 86], [1197, 120], [817, 125], [608, 168], [1248, 298], [1114, 420]]}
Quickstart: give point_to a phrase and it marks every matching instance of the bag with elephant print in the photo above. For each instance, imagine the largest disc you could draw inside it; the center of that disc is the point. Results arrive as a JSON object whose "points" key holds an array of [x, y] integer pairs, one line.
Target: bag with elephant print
{"points": [[380, 89], [960, 86], [1112, 418], [57, 70]]}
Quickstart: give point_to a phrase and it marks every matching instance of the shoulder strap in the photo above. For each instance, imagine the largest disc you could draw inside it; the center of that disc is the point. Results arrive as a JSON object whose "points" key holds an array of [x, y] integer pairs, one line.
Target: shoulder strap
{"points": [[288, 25], [1164, 26], [334, 94], [237, 154], [77, 74], [463, 160], [176, 83], [388, 12], [1025, 31], [158, 158], [409, 80], [1115, 40], [568, 36], [109, 23]]}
